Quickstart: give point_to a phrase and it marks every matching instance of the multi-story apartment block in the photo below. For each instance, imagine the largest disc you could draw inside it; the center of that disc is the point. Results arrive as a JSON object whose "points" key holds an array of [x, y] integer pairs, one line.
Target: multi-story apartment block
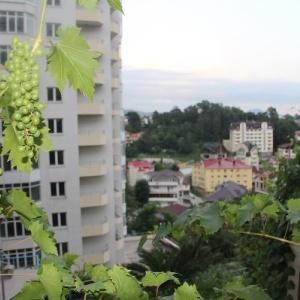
{"points": [[257, 133], [208, 174], [137, 170], [167, 187], [81, 182]]}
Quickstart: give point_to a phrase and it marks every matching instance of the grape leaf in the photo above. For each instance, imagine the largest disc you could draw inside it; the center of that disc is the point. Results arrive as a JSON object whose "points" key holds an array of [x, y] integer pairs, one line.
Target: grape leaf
{"points": [[244, 214], [71, 59], [296, 235], [126, 286], [293, 210], [23, 205], [44, 142], [187, 292], [10, 146], [158, 278], [210, 218], [89, 4], [70, 259], [116, 4], [161, 231], [33, 290], [43, 238], [50, 278]]}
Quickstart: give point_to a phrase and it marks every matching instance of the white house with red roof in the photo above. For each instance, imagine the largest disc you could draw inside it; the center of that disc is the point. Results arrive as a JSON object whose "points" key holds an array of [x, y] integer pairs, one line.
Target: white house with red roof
{"points": [[136, 170]]}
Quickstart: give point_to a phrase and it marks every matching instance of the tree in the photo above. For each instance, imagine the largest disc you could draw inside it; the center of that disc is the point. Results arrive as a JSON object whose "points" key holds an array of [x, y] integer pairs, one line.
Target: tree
{"points": [[134, 122], [141, 192]]}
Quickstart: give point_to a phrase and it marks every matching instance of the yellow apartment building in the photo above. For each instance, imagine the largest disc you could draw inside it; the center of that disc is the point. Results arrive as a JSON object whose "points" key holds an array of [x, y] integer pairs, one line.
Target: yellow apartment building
{"points": [[208, 174]]}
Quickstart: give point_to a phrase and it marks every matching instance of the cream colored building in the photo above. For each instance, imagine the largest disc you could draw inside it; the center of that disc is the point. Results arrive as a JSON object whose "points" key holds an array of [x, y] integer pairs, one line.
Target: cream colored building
{"points": [[257, 133], [208, 174], [248, 154], [81, 182]]}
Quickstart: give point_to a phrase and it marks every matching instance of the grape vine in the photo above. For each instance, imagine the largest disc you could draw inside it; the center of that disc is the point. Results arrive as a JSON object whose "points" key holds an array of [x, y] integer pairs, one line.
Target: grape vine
{"points": [[26, 133]]}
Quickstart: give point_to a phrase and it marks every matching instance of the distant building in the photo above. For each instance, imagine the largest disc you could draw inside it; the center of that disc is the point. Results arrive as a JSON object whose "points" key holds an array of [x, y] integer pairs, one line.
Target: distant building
{"points": [[167, 187], [133, 137], [297, 136], [174, 209], [136, 170], [227, 191], [247, 153], [208, 174], [213, 150], [257, 133], [260, 181], [286, 150]]}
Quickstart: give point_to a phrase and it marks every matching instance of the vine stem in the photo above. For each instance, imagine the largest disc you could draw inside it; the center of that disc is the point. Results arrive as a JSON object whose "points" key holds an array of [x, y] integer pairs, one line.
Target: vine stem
{"points": [[39, 38], [267, 236]]}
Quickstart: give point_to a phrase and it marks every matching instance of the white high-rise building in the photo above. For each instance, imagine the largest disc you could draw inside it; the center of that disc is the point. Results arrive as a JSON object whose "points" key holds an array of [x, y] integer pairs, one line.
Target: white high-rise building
{"points": [[81, 182], [257, 133]]}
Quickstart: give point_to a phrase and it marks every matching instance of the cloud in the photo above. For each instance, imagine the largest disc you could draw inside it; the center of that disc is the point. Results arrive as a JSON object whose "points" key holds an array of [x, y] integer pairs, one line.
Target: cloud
{"points": [[149, 90]]}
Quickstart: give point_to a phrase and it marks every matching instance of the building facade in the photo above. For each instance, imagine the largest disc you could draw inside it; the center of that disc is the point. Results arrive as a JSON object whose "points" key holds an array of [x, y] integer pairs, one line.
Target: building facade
{"points": [[248, 154], [137, 170], [167, 187], [81, 182], [208, 174], [257, 133]]}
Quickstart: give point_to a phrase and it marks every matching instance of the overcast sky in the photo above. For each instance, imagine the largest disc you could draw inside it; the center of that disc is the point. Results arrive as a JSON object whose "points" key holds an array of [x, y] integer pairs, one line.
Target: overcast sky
{"points": [[243, 53]]}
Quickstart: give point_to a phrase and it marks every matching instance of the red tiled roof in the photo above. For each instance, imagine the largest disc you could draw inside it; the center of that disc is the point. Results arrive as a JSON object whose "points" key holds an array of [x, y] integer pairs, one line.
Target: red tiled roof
{"points": [[140, 164], [175, 209], [224, 164]]}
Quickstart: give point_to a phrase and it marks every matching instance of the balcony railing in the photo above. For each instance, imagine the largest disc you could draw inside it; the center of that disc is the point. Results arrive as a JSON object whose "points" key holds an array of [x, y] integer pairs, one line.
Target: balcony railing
{"points": [[92, 168], [94, 199], [96, 258], [95, 229], [91, 18], [86, 108], [92, 138]]}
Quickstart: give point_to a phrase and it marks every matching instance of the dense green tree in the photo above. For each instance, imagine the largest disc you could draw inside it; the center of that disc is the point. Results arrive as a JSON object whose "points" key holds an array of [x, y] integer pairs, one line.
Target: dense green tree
{"points": [[141, 192], [134, 122]]}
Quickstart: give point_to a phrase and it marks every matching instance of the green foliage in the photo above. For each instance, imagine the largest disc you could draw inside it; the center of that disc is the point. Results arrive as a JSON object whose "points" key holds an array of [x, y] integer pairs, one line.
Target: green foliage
{"points": [[141, 192], [71, 59]]}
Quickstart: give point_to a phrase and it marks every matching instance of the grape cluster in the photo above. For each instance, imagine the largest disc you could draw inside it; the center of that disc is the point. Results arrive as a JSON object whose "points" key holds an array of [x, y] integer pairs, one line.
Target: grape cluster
{"points": [[21, 87]]}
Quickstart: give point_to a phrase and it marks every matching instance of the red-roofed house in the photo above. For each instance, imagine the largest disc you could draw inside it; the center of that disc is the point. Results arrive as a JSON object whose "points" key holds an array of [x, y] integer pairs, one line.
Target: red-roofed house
{"points": [[208, 174], [136, 170]]}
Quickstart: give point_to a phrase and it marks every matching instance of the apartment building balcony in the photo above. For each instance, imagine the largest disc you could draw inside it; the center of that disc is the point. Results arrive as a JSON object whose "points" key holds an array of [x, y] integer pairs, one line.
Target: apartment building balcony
{"points": [[92, 138], [119, 243], [99, 78], [116, 136], [94, 199], [97, 257], [115, 82], [117, 163], [96, 44], [86, 108], [114, 55], [116, 108], [92, 168], [114, 28], [95, 229], [90, 18]]}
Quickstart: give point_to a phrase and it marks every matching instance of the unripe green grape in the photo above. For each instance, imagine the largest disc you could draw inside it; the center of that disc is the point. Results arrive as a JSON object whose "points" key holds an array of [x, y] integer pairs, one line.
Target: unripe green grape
{"points": [[22, 90], [21, 148], [19, 102], [23, 110], [29, 106], [17, 78], [35, 120], [31, 61], [20, 52], [14, 86], [37, 134], [33, 129], [38, 52], [29, 141], [27, 85], [17, 66], [35, 68], [34, 82], [30, 154], [35, 97], [25, 76], [25, 101], [20, 125], [20, 139], [35, 75], [3, 85], [20, 45], [26, 120], [17, 116], [16, 94], [40, 105], [16, 59]]}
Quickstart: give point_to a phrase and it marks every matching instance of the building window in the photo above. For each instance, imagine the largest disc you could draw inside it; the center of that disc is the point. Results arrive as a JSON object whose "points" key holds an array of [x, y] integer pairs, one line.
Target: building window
{"points": [[57, 189], [16, 22], [32, 189], [55, 125], [53, 94], [53, 2], [59, 219], [12, 228], [56, 158], [62, 248], [51, 29], [3, 54], [21, 258]]}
